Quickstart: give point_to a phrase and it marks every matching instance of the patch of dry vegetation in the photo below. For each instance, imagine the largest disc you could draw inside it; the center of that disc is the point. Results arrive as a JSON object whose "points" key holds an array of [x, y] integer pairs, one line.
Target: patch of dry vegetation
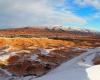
{"points": [[24, 43]]}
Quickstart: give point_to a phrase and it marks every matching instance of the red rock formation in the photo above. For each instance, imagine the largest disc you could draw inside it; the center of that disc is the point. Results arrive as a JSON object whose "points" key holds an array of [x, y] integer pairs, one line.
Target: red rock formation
{"points": [[27, 67]]}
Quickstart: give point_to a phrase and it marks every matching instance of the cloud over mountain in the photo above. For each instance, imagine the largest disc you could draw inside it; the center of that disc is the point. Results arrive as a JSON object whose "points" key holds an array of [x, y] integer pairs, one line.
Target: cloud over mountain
{"points": [[36, 12]]}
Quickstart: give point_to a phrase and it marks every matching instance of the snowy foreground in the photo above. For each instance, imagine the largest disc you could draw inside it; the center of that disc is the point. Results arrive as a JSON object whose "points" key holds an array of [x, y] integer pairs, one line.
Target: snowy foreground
{"points": [[79, 68]]}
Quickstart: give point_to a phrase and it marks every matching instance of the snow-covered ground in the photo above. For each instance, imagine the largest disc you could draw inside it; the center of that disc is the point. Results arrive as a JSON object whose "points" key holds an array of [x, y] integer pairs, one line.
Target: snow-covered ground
{"points": [[94, 72], [79, 68]]}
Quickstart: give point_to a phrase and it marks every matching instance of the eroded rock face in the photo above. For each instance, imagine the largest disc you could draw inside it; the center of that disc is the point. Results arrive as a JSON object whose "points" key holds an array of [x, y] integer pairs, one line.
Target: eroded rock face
{"points": [[36, 61], [25, 62], [26, 68], [96, 60]]}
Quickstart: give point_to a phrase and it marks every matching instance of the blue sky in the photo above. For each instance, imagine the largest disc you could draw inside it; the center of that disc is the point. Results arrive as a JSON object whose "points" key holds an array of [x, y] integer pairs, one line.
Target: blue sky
{"points": [[68, 13]]}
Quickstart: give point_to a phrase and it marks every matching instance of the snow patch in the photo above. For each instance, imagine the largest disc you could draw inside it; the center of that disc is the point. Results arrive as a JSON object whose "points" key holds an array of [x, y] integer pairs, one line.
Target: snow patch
{"points": [[44, 51], [4, 57], [34, 57], [93, 72]]}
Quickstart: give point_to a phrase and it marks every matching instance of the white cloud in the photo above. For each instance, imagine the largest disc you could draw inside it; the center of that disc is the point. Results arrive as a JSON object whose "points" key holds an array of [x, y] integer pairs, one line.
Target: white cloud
{"points": [[97, 15], [94, 3], [36, 12]]}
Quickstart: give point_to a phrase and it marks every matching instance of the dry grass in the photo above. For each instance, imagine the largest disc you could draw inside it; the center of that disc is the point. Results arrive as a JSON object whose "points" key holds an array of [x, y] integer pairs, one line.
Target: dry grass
{"points": [[24, 43]]}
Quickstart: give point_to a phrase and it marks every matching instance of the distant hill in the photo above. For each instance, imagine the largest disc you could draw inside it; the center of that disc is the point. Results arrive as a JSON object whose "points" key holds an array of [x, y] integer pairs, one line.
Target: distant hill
{"points": [[54, 32]]}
